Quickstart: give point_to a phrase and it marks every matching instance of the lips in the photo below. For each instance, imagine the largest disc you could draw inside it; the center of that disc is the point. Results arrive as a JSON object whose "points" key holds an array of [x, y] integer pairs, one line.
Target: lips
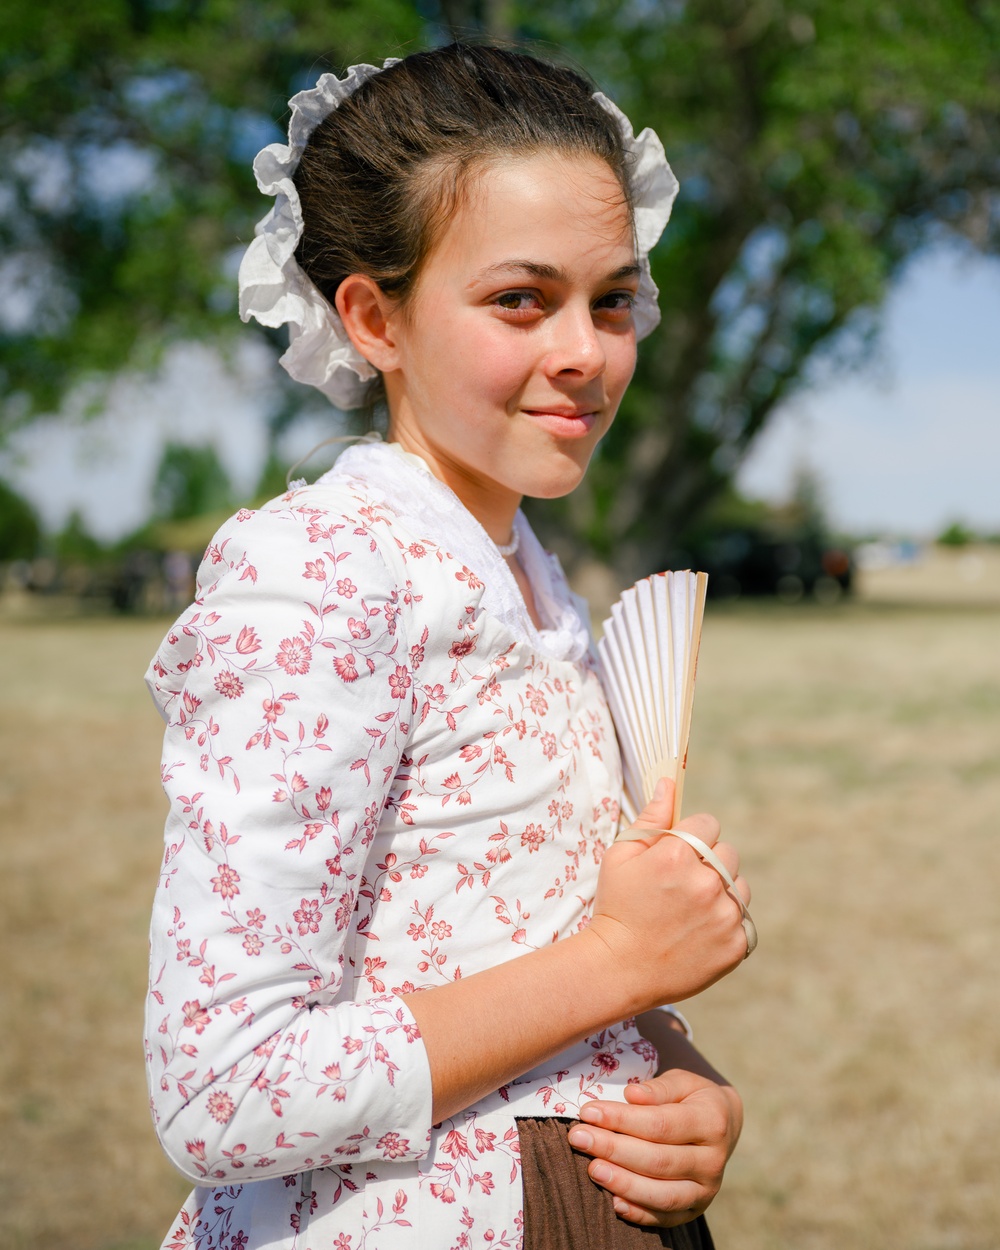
{"points": [[572, 414], [563, 422]]}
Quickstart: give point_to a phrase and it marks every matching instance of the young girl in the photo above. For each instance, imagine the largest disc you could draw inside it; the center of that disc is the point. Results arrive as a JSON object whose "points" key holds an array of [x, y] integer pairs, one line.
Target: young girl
{"points": [[399, 969]]}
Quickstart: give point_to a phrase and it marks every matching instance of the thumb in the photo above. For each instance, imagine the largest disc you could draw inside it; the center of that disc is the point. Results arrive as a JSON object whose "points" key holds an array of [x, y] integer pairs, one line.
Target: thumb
{"points": [[659, 811], [673, 1085]]}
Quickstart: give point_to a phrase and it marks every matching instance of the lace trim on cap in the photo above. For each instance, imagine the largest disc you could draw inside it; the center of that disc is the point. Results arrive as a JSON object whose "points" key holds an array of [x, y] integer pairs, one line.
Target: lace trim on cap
{"points": [[275, 291]]}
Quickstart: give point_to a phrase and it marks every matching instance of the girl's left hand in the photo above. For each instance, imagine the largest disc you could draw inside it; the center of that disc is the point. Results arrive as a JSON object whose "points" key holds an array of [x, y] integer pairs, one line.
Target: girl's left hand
{"points": [[663, 1152]]}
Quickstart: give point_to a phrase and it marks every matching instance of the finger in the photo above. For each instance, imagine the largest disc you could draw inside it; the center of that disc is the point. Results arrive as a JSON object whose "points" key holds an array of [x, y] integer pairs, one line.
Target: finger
{"points": [[644, 1094], [656, 1219], [730, 856], [669, 1086], [673, 1202], [655, 1160], [623, 849], [703, 826], [659, 811], [676, 1124]]}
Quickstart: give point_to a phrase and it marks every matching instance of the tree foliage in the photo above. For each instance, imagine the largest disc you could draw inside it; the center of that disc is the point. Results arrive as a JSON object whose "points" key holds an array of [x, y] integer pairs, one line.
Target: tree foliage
{"points": [[20, 529], [819, 144], [190, 482], [127, 196]]}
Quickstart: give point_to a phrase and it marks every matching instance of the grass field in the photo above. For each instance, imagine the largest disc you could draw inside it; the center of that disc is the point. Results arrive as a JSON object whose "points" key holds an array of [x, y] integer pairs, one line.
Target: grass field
{"points": [[853, 754]]}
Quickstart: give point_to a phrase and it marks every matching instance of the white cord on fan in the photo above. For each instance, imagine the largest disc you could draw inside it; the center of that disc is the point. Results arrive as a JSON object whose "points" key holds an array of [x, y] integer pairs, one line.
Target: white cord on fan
{"points": [[706, 853]]}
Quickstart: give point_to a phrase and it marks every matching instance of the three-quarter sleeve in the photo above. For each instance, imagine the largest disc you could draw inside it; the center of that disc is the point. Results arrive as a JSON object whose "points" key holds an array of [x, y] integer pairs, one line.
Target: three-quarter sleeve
{"points": [[287, 697]]}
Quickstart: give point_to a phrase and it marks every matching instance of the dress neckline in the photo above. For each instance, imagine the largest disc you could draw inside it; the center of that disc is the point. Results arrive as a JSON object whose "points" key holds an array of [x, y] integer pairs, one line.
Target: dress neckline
{"points": [[438, 514]]}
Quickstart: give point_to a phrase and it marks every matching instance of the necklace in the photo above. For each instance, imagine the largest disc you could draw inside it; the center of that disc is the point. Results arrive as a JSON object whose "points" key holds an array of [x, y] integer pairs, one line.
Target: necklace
{"points": [[510, 549]]}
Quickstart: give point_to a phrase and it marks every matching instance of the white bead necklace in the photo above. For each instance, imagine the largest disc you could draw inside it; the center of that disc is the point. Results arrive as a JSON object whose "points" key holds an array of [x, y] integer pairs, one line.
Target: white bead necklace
{"points": [[510, 549]]}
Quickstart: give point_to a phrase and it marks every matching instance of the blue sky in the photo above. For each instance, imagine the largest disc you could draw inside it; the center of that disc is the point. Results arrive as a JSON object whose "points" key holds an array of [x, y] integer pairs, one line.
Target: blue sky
{"points": [[914, 441], [906, 447], [105, 466]]}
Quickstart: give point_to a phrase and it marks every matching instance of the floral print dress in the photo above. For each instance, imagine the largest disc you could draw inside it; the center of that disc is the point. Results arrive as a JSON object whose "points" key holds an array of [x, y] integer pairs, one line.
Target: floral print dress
{"points": [[381, 777]]}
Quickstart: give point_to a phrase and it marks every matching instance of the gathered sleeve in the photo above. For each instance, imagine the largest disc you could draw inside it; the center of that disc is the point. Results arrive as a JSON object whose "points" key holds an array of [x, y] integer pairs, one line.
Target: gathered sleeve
{"points": [[287, 696]]}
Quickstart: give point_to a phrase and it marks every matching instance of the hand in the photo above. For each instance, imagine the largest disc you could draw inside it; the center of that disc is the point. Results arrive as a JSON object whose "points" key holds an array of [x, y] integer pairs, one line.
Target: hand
{"points": [[666, 915], [663, 1152]]}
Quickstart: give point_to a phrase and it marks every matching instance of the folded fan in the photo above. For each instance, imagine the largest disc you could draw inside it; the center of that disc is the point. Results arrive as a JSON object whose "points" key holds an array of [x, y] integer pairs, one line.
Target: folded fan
{"points": [[649, 657], [649, 654]]}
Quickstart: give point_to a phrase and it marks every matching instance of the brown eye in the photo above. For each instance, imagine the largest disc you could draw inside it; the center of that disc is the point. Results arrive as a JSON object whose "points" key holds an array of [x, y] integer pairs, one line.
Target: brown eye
{"points": [[517, 301], [617, 301]]}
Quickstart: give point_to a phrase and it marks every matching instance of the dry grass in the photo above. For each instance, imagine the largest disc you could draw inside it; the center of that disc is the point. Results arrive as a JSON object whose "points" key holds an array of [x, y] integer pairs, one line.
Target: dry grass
{"points": [[855, 759], [969, 576], [82, 814], [852, 754]]}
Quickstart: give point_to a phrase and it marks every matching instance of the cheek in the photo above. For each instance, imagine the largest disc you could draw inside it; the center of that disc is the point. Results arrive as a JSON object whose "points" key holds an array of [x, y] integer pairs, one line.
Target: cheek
{"points": [[495, 363], [621, 357]]}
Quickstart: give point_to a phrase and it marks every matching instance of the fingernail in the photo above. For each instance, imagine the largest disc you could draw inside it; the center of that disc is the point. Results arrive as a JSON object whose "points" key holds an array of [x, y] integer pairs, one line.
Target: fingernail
{"points": [[660, 792], [580, 1138], [591, 1113], [600, 1172], [621, 1208]]}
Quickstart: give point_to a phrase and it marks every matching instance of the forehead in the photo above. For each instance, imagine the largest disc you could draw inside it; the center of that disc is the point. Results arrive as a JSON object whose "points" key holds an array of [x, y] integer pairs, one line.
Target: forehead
{"points": [[564, 209]]}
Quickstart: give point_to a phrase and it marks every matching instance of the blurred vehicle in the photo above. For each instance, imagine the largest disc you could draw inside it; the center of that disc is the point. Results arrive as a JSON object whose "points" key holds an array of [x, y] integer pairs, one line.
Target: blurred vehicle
{"points": [[754, 562], [754, 549]]}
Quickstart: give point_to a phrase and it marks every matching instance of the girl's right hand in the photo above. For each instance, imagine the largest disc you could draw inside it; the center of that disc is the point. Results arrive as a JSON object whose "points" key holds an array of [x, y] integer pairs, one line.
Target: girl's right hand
{"points": [[665, 914]]}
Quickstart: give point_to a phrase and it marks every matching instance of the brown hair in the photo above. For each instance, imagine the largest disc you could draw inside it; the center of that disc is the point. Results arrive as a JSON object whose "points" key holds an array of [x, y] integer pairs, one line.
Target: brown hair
{"points": [[380, 175]]}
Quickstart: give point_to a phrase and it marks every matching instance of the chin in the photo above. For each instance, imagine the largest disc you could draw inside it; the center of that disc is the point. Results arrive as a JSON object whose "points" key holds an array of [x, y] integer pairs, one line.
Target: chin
{"points": [[554, 484]]}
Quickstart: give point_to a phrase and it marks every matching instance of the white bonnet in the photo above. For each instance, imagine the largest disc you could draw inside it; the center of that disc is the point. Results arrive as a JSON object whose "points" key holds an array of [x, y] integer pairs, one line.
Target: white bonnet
{"points": [[275, 291]]}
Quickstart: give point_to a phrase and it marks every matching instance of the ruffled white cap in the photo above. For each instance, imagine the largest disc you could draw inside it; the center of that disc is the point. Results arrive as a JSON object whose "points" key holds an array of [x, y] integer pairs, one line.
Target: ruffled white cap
{"points": [[275, 291], [654, 189]]}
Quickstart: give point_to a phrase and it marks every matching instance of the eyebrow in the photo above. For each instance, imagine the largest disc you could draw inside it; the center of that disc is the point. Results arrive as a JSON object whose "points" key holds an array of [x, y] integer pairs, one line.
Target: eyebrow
{"points": [[549, 273]]}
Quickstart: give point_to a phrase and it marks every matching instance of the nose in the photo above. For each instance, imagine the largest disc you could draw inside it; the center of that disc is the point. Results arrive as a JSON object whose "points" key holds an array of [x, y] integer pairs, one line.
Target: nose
{"points": [[576, 351]]}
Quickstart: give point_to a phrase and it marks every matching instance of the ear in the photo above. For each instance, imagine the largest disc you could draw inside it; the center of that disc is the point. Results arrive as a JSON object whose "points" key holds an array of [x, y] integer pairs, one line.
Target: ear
{"points": [[366, 312]]}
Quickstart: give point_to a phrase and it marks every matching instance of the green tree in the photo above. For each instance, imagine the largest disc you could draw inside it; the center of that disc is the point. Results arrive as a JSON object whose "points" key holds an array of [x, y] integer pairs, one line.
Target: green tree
{"points": [[819, 144], [955, 535], [128, 128], [190, 482], [20, 529], [75, 544]]}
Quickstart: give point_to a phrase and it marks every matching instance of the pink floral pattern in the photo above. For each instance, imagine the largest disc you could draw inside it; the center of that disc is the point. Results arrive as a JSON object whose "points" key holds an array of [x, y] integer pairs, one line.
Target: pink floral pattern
{"points": [[374, 787]]}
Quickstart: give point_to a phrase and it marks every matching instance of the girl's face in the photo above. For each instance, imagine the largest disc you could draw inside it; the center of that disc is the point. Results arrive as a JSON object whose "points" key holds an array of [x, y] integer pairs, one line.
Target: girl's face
{"points": [[512, 356]]}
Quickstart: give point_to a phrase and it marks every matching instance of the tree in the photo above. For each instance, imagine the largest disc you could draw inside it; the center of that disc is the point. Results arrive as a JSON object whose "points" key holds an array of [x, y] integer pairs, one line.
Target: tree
{"points": [[20, 530], [75, 544], [126, 193], [819, 144], [190, 482], [955, 535]]}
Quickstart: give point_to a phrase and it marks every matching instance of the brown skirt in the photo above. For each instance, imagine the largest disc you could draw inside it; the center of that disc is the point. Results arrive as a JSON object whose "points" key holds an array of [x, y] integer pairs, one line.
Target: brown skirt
{"points": [[565, 1210]]}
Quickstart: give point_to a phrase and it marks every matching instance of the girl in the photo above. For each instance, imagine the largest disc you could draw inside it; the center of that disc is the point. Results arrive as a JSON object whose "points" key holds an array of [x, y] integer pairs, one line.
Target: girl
{"points": [[399, 968]]}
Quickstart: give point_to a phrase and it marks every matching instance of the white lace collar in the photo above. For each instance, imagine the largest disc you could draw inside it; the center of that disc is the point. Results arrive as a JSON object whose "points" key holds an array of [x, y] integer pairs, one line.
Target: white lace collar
{"points": [[439, 515]]}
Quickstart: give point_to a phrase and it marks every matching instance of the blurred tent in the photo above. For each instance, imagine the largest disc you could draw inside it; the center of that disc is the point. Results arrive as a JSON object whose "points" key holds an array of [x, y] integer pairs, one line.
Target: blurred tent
{"points": [[819, 144]]}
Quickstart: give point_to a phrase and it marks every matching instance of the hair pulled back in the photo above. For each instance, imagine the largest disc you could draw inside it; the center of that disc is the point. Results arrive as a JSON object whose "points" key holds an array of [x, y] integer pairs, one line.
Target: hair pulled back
{"points": [[380, 175]]}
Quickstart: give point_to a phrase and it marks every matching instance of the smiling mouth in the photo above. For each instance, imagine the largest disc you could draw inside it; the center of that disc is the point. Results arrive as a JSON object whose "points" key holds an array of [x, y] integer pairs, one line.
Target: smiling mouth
{"points": [[572, 414], [565, 423]]}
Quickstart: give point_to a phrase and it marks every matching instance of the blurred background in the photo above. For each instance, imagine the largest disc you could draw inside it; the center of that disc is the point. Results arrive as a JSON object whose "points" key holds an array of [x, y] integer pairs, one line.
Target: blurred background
{"points": [[816, 423]]}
